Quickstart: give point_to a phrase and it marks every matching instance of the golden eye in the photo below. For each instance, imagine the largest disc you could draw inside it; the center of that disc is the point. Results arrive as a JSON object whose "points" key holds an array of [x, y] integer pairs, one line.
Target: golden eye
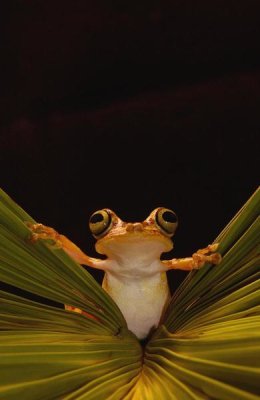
{"points": [[100, 223], [166, 220]]}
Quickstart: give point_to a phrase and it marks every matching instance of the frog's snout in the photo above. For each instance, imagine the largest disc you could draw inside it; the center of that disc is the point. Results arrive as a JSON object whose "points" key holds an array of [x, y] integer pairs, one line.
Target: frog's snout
{"points": [[134, 227]]}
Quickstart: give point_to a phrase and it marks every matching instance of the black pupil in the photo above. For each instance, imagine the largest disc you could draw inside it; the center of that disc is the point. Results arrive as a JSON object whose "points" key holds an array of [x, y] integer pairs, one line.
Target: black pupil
{"points": [[96, 218], [169, 216]]}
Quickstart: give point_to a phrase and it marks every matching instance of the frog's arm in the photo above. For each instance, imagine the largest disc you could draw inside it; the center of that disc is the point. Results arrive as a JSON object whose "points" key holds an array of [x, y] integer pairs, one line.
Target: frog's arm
{"points": [[197, 260], [40, 231]]}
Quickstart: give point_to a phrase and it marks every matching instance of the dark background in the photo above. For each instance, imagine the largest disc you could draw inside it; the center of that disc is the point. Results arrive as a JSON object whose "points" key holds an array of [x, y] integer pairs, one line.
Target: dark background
{"points": [[130, 106]]}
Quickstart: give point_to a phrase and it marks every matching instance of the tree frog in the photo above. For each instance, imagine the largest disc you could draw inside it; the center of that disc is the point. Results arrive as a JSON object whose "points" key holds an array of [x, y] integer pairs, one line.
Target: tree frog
{"points": [[135, 276]]}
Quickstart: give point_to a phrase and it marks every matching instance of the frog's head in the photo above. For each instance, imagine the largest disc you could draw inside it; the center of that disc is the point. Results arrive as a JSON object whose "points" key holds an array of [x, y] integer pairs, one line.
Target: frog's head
{"points": [[115, 236]]}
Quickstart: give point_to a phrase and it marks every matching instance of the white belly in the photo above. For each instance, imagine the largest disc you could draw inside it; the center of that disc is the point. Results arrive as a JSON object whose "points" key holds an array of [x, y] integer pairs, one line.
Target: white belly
{"points": [[141, 300]]}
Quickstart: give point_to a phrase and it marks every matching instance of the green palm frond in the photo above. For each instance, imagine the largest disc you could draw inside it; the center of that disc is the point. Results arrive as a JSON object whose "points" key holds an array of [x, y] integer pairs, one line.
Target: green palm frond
{"points": [[207, 346]]}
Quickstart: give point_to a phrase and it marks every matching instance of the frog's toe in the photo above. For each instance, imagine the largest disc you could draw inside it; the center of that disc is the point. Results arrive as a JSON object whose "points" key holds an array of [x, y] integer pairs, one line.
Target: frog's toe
{"points": [[213, 247], [216, 258]]}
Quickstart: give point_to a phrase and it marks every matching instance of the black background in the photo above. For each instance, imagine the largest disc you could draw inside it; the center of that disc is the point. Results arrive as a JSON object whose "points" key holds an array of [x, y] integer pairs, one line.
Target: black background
{"points": [[130, 106]]}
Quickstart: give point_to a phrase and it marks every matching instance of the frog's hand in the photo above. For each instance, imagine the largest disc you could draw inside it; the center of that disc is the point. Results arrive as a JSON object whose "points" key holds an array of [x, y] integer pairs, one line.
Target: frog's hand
{"points": [[197, 260], [40, 231]]}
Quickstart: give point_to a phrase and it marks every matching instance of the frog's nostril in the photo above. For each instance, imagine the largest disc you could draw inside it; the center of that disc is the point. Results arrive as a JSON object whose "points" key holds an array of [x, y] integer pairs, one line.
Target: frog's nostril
{"points": [[129, 227], [138, 227]]}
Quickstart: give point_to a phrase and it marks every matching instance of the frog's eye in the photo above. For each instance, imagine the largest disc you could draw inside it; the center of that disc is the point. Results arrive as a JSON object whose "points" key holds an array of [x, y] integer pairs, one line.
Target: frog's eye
{"points": [[166, 220], [100, 223]]}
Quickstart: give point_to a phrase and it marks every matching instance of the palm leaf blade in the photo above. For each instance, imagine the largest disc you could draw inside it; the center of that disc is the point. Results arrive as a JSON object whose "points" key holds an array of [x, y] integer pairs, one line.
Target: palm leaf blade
{"points": [[212, 325], [207, 347]]}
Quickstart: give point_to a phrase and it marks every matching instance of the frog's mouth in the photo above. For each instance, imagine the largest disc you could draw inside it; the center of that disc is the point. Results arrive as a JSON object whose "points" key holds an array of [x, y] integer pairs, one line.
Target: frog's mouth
{"points": [[132, 240]]}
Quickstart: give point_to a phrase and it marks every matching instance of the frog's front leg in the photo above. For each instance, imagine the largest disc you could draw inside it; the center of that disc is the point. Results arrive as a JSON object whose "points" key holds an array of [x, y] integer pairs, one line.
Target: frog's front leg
{"points": [[197, 261], [40, 231]]}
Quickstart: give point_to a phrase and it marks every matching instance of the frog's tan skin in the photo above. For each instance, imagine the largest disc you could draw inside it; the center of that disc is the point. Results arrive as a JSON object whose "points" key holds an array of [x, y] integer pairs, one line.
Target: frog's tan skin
{"points": [[135, 276]]}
